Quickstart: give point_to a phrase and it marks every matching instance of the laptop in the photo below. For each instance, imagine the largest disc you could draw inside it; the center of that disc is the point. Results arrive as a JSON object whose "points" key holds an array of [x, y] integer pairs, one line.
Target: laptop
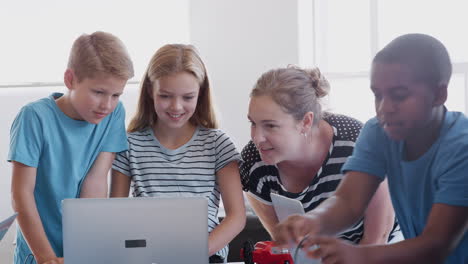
{"points": [[135, 230], [5, 225]]}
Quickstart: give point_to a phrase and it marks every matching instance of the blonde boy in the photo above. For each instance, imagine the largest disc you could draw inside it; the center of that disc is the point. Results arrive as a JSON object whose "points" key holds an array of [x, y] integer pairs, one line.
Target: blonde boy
{"points": [[63, 146]]}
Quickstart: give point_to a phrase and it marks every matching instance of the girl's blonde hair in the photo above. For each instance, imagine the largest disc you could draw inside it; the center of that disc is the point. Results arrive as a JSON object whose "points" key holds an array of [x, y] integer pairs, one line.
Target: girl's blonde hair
{"points": [[100, 53], [168, 60], [297, 91]]}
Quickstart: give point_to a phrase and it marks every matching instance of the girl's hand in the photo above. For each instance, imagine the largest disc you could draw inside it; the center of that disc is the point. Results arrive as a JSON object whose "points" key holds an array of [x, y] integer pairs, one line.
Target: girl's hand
{"points": [[334, 251]]}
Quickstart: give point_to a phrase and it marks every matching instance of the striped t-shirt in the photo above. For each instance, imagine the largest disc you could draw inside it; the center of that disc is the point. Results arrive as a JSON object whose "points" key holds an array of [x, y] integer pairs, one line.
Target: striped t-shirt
{"points": [[187, 171], [261, 179]]}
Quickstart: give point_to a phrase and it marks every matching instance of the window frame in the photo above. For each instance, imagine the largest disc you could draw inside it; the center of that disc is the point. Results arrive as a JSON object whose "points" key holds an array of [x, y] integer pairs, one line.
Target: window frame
{"points": [[319, 45]]}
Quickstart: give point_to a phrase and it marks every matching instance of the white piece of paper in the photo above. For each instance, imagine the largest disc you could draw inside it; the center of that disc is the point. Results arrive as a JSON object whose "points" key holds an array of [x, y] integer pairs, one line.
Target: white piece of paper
{"points": [[285, 207]]}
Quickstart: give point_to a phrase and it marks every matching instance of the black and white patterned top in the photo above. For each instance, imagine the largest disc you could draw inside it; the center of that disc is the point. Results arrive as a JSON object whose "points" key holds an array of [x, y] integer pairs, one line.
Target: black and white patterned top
{"points": [[188, 171], [261, 179]]}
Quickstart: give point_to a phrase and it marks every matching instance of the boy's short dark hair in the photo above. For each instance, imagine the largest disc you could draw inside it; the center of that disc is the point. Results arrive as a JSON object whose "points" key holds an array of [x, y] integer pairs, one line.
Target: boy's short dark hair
{"points": [[100, 53], [426, 56]]}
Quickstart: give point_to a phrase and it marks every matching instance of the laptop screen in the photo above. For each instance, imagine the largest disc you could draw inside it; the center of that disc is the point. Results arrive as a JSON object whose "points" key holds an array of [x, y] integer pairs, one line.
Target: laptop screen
{"points": [[135, 230]]}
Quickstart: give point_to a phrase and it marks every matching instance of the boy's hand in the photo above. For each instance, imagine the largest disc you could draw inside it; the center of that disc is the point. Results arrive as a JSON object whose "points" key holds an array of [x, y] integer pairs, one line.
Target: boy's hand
{"points": [[332, 250], [53, 261], [295, 227]]}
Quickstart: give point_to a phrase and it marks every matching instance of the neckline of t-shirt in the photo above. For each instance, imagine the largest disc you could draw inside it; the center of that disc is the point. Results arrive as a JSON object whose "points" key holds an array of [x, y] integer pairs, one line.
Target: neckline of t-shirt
{"points": [[447, 121], [62, 115], [177, 150]]}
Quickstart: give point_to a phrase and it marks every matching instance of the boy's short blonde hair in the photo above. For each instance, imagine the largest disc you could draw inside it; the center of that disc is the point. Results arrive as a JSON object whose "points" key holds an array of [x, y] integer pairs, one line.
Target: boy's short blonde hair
{"points": [[100, 53]]}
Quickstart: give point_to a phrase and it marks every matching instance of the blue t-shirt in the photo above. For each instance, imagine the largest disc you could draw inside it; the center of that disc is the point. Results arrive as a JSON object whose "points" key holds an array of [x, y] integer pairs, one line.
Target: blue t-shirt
{"points": [[63, 150], [439, 176]]}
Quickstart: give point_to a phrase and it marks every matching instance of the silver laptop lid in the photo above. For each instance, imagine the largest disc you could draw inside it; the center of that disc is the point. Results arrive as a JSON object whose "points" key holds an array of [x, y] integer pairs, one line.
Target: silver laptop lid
{"points": [[135, 231]]}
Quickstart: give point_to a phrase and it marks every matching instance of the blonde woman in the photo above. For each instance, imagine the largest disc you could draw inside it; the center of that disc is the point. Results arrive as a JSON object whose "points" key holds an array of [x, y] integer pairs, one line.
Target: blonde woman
{"points": [[297, 151]]}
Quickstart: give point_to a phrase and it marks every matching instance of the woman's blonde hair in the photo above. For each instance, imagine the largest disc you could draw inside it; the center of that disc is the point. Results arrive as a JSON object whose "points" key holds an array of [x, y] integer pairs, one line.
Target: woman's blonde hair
{"points": [[168, 60], [297, 91], [100, 53]]}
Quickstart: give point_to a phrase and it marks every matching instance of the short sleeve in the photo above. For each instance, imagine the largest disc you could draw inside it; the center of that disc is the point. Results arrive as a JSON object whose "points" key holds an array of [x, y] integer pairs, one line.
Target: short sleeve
{"points": [[452, 184], [249, 156], [369, 152], [258, 179], [26, 138], [116, 139], [225, 151], [122, 163]]}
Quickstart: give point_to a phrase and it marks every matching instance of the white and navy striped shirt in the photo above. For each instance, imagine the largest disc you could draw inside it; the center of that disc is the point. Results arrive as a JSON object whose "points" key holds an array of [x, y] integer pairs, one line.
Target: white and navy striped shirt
{"points": [[261, 179], [187, 171]]}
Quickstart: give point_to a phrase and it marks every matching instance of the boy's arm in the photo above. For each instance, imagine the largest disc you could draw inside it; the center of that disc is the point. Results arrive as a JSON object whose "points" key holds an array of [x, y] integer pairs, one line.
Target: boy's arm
{"points": [[228, 179], [379, 217], [120, 184], [22, 191], [333, 215], [445, 228], [95, 184], [265, 212]]}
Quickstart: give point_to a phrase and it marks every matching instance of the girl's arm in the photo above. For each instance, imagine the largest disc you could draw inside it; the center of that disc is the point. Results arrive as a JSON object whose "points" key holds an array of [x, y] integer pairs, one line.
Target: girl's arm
{"points": [[95, 184], [228, 179], [22, 192], [120, 184], [266, 214], [379, 217]]}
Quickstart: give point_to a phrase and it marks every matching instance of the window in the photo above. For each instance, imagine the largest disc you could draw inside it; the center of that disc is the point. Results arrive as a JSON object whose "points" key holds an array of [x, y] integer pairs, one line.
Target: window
{"points": [[349, 33]]}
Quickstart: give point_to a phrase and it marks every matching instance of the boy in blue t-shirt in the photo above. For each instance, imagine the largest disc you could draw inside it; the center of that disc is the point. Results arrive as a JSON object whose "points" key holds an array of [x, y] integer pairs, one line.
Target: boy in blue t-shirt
{"points": [[63, 146], [420, 146]]}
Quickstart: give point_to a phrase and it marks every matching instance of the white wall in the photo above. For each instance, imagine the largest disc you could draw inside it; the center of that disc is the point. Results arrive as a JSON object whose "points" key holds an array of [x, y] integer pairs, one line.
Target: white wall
{"points": [[37, 37], [239, 40]]}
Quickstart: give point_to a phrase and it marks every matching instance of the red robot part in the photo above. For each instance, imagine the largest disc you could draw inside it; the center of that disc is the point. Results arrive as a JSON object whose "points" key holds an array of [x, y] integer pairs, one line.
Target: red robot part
{"points": [[265, 252]]}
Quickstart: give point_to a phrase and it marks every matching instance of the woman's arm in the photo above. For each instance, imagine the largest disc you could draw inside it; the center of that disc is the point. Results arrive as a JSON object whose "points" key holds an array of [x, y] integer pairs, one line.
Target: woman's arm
{"points": [[120, 184], [379, 217], [228, 179], [265, 212], [23, 181], [95, 184]]}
